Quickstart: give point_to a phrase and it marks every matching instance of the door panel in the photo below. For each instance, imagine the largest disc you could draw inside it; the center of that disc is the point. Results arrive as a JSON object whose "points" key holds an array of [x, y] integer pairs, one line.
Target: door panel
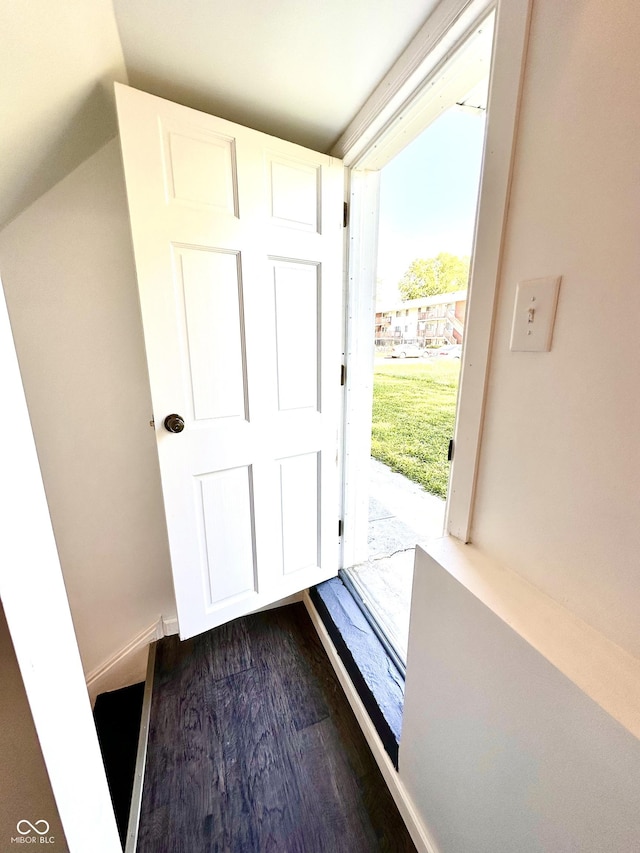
{"points": [[296, 291], [238, 240], [209, 282], [295, 200], [200, 169], [299, 498], [224, 502]]}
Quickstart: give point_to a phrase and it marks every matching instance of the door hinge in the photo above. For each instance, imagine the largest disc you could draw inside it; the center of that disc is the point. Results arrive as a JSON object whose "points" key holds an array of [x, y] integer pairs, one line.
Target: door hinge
{"points": [[339, 528], [343, 374], [450, 451], [345, 214]]}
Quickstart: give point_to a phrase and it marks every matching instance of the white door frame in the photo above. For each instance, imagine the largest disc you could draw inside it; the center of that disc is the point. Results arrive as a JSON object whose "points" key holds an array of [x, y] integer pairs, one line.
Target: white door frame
{"points": [[400, 94], [37, 612]]}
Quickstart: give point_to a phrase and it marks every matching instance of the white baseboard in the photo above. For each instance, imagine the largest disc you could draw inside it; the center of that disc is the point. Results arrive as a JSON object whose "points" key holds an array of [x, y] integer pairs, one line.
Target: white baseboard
{"points": [[169, 626], [405, 805], [128, 665]]}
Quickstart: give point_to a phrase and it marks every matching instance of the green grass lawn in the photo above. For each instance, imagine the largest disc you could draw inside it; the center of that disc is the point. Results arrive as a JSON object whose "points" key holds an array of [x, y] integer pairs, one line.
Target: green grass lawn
{"points": [[414, 407]]}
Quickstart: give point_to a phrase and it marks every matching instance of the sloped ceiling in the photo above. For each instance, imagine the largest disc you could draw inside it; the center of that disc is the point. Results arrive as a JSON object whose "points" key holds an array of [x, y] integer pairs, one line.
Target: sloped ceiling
{"points": [[299, 69], [58, 61]]}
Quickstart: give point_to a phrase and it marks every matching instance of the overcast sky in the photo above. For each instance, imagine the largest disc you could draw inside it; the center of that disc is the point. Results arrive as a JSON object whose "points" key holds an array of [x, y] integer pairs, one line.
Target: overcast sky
{"points": [[428, 197]]}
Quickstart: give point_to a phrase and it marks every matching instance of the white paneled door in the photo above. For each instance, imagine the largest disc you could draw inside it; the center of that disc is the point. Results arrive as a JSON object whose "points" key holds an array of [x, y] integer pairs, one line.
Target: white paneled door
{"points": [[238, 247]]}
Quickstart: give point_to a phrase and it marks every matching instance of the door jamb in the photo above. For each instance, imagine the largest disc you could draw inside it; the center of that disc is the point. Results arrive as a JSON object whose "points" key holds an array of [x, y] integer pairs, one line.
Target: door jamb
{"points": [[362, 251], [39, 620], [434, 42]]}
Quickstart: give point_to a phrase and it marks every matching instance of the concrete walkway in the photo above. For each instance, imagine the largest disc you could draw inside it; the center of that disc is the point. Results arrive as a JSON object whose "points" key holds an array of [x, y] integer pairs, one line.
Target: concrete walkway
{"points": [[401, 515]]}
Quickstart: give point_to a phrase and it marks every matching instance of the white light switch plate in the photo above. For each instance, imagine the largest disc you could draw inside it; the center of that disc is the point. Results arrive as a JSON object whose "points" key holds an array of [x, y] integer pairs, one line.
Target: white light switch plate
{"points": [[534, 313]]}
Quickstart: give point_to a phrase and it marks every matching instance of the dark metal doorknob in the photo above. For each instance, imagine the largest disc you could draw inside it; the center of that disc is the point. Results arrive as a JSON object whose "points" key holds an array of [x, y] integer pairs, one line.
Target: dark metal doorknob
{"points": [[174, 423]]}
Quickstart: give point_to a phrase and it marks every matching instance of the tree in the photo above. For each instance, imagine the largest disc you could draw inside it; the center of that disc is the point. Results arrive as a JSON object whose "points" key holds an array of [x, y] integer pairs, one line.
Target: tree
{"points": [[442, 274]]}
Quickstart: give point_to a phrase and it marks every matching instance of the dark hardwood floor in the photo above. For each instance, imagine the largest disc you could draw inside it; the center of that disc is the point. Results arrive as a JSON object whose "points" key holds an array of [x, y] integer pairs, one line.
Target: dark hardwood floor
{"points": [[253, 747]]}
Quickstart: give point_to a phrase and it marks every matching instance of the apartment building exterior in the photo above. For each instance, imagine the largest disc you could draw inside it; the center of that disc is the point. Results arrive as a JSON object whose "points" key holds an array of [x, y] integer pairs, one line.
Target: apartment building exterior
{"points": [[430, 321]]}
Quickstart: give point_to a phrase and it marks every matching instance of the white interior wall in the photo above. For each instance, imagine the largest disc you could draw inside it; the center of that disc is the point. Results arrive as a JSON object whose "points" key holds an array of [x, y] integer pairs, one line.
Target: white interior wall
{"points": [[500, 752], [559, 474], [67, 268]]}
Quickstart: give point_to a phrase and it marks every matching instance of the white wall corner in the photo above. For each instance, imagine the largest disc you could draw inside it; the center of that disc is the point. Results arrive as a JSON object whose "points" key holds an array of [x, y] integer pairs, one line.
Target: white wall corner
{"points": [[128, 665]]}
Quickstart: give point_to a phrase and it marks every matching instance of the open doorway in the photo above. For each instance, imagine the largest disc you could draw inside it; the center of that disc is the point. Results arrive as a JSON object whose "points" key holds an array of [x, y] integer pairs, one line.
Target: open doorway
{"points": [[427, 212]]}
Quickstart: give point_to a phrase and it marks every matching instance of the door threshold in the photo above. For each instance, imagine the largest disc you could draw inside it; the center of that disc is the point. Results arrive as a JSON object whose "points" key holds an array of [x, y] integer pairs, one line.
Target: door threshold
{"points": [[373, 671], [375, 626]]}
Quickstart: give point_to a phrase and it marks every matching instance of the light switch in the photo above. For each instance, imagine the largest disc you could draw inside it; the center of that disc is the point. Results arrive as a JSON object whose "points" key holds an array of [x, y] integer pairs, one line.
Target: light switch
{"points": [[534, 313]]}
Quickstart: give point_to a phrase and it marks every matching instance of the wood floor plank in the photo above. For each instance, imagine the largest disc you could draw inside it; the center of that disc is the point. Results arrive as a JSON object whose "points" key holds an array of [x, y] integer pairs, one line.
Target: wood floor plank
{"points": [[253, 748], [257, 784]]}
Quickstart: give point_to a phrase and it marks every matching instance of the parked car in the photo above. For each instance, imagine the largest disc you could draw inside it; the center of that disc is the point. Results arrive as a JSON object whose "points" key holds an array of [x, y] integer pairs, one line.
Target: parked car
{"points": [[406, 351], [450, 351]]}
